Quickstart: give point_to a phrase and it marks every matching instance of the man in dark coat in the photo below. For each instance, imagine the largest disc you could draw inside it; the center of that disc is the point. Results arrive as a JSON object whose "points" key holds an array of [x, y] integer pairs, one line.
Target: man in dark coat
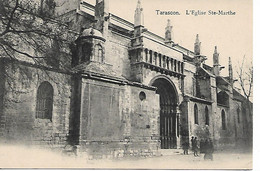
{"points": [[195, 147], [185, 147], [208, 150], [192, 143]]}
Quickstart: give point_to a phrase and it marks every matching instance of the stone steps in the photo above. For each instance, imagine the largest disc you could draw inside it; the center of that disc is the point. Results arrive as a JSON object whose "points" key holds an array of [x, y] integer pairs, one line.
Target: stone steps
{"points": [[169, 152]]}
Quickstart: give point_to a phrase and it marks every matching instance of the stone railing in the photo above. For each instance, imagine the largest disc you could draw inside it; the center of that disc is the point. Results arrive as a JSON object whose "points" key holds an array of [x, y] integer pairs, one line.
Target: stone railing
{"points": [[158, 62]]}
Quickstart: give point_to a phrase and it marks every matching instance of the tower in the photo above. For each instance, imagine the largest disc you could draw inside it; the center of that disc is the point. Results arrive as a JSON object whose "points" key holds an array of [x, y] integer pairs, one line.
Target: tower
{"points": [[216, 65]]}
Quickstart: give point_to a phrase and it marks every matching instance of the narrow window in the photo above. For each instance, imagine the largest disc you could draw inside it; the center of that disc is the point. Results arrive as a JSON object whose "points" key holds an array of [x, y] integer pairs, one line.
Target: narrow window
{"points": [[99, 53], [44, 104], [238, 115], [223, 117], [206, 115], [196, 119], [86, 52]]}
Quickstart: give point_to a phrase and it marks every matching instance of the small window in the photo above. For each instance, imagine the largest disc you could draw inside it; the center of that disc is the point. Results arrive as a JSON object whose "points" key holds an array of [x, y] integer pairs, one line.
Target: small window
{"points": [[196, 119], [44, 104], [142, 96], [223, 118], [206, 115]]}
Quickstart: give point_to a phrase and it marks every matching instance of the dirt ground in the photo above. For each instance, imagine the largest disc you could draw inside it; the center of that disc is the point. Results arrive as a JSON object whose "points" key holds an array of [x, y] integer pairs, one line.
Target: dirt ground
{"points": [[24, 157]]}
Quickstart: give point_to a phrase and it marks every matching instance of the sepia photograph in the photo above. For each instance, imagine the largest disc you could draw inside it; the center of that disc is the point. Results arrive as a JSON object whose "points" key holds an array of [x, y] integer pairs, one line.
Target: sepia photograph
{"points": [[132, 84]]}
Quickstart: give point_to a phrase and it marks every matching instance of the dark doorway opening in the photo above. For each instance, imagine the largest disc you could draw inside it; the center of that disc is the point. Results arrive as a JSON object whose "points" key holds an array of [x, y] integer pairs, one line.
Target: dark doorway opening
{"points": [[168, 119]]}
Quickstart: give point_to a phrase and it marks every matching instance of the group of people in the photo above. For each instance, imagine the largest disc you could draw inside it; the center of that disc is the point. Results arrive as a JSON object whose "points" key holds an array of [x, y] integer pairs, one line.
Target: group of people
{"points": [[205, 146]]}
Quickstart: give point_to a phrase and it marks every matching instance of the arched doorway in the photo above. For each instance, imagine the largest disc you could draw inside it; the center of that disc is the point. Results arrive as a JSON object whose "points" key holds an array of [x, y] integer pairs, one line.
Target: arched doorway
{"points": [[168, 117]]}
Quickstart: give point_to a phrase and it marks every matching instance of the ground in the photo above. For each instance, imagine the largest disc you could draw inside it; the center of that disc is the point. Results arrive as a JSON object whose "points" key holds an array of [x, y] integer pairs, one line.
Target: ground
{"points": [[31, 157]]}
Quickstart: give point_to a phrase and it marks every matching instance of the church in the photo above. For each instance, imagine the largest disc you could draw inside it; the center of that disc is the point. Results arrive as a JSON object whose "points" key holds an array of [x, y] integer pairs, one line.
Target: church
{"points": [[129, 92]]}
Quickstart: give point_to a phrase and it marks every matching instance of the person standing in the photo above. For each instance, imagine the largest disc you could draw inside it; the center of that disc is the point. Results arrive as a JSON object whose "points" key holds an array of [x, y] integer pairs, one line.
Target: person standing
{"points": [[211, 149], [192, 144], [185, 147], [195, 142], [208, 150]]}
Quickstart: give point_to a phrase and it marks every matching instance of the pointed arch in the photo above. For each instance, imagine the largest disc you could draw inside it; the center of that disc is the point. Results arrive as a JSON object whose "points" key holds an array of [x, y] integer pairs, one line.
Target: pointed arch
{"points": [[196, 117], [223, 119], [206, 115]]}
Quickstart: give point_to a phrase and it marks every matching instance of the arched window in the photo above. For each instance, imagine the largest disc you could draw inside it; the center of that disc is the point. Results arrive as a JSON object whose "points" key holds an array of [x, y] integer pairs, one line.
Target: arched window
{"points": [[44, 104], [238, 115], [99, 53], [223, 118], [196, 119], [206, 115]]}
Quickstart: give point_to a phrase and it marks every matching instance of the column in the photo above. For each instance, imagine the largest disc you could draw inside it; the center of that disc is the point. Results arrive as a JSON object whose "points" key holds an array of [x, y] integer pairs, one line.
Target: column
{"points": [[175, 65], [155, 58], [178, 66], [150, 56], [182, 67], [167, 62], [170, 64], [160, 60], [178, 138], [164, 61]]}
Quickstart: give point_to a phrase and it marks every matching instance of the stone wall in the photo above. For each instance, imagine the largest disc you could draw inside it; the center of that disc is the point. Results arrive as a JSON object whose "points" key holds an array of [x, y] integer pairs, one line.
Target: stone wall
{"points": [[19, 112], [115, 122], [189, 71], [200, 130], [117, 54]]}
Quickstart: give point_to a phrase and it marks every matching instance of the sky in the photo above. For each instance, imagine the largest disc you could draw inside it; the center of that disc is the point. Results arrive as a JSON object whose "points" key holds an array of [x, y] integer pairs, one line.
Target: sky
{"points": [[232, 34]]}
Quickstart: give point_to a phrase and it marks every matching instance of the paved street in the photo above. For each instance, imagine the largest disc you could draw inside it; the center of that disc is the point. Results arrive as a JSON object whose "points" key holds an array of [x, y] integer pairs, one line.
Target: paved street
{"points": [[20, 157]]}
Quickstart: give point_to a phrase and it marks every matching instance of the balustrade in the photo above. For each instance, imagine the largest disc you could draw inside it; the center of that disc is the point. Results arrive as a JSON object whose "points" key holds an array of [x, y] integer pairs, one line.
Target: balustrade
{"points": [[162, 61]]}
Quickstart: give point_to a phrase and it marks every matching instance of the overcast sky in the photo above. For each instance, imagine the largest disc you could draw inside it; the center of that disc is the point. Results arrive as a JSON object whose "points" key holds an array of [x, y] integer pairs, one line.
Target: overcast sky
{"points": [[231, 33]]}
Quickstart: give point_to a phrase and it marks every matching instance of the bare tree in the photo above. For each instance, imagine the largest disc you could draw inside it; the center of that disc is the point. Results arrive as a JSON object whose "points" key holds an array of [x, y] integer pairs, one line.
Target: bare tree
{"points": [[245, 78], [28, 33]]}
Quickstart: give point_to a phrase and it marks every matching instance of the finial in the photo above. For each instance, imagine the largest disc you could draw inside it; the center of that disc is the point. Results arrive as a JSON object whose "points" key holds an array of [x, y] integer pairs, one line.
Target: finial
{"points": [[229, 61], [139, 5], [139, 18], [215, 51], [169, 23], [168, 31], [197, 38]]}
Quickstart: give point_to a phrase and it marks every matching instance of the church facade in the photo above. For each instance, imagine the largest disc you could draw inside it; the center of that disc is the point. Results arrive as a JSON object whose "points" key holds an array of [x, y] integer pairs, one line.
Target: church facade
{"points": [[130, 92]]}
